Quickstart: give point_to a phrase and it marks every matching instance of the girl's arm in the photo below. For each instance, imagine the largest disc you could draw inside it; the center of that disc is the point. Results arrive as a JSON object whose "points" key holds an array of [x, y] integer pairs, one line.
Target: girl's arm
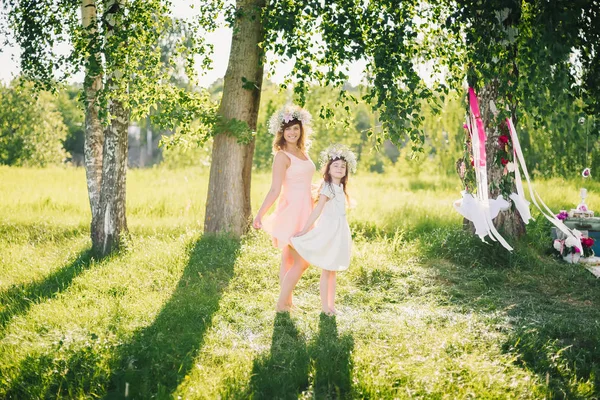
{"points": [[314, 215], [280, 164]]}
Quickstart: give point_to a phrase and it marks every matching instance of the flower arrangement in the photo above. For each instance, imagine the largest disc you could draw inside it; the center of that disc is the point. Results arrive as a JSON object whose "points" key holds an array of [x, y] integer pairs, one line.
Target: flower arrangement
{"points": [[565, 248], [339, 151], [562, 215], [573, 247], [288, 113], [587, 244]]}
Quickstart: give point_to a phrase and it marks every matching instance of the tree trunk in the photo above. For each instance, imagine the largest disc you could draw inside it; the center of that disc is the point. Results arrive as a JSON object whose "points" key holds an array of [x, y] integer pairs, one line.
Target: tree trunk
{"points": [[508, 223], [110, 227], [228, 204], [94, 138]]}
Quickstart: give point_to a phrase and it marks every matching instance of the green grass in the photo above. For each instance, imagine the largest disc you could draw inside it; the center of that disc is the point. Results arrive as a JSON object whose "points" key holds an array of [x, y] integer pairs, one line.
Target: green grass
{"points": [[427, 311]]}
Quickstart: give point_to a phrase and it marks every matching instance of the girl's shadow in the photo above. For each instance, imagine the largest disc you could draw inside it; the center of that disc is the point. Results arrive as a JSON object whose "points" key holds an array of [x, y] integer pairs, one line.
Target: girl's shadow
{"points": [[331, 355]]}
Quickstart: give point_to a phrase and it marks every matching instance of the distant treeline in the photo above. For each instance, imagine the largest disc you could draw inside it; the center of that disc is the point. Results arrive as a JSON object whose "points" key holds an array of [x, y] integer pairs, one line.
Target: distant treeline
{"points": [[47, 129]]}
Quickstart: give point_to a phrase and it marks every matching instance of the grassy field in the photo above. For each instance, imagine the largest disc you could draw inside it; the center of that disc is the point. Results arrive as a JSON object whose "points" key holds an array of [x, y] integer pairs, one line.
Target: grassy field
{"points": [[427, 311]]}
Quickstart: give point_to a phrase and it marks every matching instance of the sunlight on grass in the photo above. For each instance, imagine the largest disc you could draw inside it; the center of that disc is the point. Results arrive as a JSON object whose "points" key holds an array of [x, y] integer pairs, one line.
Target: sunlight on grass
{"points": [[427, 310]]}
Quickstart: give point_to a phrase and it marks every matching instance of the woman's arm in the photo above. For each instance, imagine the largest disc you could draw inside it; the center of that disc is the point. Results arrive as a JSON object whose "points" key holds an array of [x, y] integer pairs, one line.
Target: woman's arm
{"points": [[280, 164], [314, 214]]}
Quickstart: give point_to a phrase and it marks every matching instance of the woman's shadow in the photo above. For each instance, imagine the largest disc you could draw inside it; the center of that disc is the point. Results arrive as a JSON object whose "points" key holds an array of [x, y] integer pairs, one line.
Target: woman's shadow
{"points": [[284, 372]]}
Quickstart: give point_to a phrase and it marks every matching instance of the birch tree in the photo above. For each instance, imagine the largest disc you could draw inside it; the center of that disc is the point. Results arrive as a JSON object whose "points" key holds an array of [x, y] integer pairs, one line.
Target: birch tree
{"points": [[117, 44], [93, 133]]}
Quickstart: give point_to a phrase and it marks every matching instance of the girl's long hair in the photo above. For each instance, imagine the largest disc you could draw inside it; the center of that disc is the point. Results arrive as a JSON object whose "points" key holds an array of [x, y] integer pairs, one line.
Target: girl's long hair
{"points": [[279, 140], [328, 181]]}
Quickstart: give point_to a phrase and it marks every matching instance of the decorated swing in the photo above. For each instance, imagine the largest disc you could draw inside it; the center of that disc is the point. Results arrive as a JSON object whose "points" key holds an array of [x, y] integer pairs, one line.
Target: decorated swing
{"points": [[477, 207]]}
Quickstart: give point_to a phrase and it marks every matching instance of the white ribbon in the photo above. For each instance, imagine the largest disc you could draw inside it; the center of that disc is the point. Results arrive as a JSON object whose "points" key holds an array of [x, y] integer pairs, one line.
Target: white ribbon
{"points": [[550, 216], [469, 207], [518, 198], [482, 190]]}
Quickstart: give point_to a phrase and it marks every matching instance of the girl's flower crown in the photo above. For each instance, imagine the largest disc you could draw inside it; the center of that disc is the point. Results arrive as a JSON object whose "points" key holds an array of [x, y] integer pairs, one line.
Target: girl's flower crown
{"points": [[288, 113], [339, 151]]}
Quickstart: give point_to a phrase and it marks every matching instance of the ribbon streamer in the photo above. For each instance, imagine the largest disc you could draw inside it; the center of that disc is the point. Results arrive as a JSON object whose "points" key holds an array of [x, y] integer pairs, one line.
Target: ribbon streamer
{"points": [[518, 198], [549, 215]]}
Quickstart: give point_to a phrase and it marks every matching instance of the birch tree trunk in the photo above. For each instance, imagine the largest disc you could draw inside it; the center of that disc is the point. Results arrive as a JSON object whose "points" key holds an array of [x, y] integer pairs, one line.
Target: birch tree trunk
{"points": [[228, 203], [93, 138], [110, 227]]}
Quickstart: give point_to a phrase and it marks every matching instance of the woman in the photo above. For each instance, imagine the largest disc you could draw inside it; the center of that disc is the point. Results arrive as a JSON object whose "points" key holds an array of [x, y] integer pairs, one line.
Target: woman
{"points": [[291, 183]]}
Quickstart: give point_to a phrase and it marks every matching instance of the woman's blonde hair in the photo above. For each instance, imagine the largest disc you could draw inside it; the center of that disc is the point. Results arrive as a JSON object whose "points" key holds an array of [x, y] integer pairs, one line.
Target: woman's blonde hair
{"points": [[279, 139]]}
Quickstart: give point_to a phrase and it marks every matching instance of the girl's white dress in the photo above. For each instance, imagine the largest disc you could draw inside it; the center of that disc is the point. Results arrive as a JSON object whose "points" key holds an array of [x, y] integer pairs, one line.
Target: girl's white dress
{"points": [[329, 243]]}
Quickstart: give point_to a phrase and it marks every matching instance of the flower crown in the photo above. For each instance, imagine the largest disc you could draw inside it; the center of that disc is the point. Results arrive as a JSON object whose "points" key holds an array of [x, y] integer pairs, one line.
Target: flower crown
{"points": [[340, 151], [288, 113]]}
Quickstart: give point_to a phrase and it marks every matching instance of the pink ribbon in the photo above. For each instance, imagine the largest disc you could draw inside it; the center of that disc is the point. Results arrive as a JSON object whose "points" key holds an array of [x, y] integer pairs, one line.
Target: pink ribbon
{"points": [[480, 128]]}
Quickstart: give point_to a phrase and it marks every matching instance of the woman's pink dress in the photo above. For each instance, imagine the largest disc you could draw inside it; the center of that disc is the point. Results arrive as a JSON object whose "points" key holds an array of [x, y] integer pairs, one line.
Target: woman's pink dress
{"points": [[295, 202]]}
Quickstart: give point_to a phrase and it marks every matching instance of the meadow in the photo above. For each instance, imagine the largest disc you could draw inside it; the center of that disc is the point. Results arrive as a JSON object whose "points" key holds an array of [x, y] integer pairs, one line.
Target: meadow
{"points": [[426, 310]]}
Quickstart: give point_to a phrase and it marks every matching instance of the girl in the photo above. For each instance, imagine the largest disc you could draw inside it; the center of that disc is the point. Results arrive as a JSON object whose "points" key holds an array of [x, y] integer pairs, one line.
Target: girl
{"points": [[328, 245], [291, 182]]}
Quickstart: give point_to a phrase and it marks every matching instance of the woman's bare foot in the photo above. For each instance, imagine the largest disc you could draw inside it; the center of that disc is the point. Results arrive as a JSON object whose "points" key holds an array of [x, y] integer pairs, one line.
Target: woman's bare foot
{"points": [[283, 308]]}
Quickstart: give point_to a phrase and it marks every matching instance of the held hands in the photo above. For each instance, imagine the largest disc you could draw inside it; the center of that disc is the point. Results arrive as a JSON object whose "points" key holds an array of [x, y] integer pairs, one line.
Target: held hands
{"points": [[257, 224]]}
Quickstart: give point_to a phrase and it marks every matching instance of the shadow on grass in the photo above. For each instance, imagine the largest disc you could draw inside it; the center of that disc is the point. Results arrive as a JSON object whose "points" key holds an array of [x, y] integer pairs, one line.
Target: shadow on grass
{"points": [[18, 299], [332, 361], [59, 374], [283, 373], [157, 358], [553, 308], [38, 233]]}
